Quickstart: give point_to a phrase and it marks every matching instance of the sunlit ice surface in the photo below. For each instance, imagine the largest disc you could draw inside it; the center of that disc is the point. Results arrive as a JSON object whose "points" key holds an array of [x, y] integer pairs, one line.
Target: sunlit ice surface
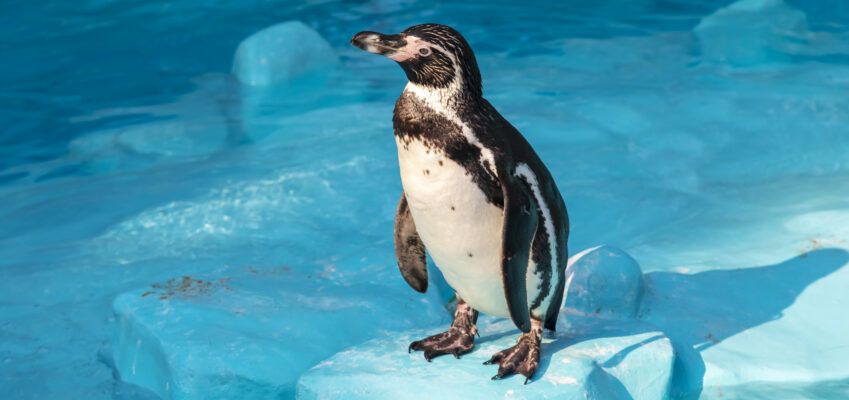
{"points": [[700, 137]]}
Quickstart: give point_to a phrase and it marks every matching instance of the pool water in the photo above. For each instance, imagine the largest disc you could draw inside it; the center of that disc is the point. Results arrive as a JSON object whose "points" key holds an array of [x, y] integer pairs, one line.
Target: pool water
{"points": [[130, 155]]}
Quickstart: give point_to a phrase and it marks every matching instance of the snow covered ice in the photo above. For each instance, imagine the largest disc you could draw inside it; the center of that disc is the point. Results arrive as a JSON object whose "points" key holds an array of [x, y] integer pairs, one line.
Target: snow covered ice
{"points": [[595, 354], [170, 230], [615, 365], [249, 335]]}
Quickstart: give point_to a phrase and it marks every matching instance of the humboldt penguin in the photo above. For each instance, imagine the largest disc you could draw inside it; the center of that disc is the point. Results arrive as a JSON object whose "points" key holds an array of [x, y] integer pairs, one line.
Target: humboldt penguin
{"points": [[476, 197]]}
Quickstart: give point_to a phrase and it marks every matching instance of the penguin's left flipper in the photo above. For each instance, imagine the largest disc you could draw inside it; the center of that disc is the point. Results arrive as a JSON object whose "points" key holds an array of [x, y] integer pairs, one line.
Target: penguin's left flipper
{"points": [[520, 224], [409, 248]]}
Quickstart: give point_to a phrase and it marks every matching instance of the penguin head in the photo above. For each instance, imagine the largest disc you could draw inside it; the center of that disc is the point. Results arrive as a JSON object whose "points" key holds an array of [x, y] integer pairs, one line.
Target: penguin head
{"points": [[432, 55]]}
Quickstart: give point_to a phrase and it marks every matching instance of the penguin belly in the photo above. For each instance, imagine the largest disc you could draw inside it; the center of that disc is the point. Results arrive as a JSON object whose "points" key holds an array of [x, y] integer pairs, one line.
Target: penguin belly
{"points": [[460, 229]]}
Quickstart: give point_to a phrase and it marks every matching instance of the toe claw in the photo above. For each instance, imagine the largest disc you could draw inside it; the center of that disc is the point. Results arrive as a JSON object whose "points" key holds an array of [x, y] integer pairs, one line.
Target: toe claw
{"points": [[529, 375], [415, 346], [494, 359], [502, 373]]}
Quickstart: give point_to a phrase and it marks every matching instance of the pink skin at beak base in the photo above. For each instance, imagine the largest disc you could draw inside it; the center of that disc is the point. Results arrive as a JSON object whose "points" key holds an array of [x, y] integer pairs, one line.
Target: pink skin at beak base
{"points": [[410, 50]]}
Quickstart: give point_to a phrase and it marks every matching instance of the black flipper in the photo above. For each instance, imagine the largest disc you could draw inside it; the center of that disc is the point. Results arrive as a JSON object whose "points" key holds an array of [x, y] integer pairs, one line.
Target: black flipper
{"points": [[556, 302], [409, 249], [520, 224], [562, 264]]}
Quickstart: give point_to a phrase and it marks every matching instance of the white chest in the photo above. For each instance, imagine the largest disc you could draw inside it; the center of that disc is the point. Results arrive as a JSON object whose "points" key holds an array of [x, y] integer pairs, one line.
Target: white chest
{"points": [[459, 227]]}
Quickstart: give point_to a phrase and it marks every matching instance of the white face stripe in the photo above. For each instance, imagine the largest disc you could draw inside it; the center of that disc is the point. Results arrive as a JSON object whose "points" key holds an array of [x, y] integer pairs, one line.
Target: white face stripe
{"points": [[524, 171], [414, 43], [410, 50], [439, 100]]}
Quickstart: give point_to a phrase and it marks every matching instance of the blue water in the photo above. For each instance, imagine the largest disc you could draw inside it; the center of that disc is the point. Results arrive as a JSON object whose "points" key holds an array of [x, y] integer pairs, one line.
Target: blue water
{"points": [[129, 154]]}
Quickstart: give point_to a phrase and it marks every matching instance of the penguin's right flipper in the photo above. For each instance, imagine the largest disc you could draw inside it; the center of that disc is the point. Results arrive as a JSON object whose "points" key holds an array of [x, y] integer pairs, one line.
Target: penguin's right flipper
{"points": [[409, 248], [520, 224]]}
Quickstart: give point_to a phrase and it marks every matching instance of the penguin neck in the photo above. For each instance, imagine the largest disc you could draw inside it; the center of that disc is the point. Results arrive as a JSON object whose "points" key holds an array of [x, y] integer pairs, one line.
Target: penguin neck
{"points": [[452, 99]]}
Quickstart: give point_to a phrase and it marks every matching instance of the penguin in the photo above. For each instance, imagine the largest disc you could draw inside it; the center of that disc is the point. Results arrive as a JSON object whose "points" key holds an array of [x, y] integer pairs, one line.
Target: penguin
{"points": [[476, 197]]}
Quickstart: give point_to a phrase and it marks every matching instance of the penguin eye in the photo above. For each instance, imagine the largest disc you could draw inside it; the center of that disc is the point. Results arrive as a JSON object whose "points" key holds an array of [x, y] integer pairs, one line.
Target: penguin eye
{"points": [[424, 51]]}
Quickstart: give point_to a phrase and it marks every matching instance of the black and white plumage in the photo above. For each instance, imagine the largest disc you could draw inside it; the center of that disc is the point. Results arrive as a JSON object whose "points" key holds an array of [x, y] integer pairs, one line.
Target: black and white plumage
{"points": [[476, 197]]}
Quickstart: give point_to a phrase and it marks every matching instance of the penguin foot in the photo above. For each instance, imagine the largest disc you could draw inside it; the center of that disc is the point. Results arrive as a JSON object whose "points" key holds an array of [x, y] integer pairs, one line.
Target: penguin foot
{"points": [[523, 358], [455, 341], [458, 340]]}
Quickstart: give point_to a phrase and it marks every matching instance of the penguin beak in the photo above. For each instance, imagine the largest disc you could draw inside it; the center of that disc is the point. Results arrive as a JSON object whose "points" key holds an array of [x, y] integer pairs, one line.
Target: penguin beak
{"points": [[391, 46]]}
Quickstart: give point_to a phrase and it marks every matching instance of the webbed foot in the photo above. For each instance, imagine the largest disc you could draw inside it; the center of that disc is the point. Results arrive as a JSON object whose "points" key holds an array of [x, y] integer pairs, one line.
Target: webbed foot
{"points": [[523, 358], [458, 340], [455, 341]]}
